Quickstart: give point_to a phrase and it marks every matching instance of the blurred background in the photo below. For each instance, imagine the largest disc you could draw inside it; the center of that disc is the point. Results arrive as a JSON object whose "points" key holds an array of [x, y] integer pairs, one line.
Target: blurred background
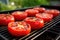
{"points": [[16, 4]]}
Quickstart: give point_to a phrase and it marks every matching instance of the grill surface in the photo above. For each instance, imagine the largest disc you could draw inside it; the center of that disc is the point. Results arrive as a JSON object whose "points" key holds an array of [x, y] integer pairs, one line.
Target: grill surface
{"points": [[34, 34], [51, 34]]}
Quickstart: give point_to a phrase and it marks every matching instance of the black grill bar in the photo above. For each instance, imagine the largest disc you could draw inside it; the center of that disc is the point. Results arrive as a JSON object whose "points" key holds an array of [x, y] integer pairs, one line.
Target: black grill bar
{"points": [[53, 32], [3, 38], [58, 37], [47, 26]]}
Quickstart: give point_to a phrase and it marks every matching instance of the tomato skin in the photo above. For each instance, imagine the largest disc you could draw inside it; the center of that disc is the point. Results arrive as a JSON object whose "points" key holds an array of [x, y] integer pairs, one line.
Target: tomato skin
{"points": [[18, 31], [54, 12], [31, 12], [19, 15], [35, 24], [6, 18], [45, 16], [40, 9]]}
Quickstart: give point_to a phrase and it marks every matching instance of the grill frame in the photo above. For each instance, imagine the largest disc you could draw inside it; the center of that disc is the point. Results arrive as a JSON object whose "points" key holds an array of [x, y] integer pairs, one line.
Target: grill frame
{"points": [[34, 33]]}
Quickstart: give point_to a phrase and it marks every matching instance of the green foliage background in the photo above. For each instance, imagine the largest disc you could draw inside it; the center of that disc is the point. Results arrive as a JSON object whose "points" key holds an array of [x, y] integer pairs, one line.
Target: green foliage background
{"points": [[22, 4]]}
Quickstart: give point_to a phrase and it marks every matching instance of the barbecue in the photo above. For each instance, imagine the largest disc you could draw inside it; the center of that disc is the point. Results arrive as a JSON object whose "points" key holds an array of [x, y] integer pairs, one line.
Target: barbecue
{"points": [[49, 30]]}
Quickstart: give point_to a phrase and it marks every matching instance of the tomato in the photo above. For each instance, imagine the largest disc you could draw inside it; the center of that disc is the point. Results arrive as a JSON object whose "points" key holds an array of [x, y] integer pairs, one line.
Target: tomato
{"points": [[6, 18], [54, 12], [31, 12], [35, 23], [18, 29], [40, 9], [45, 16], [18, 15]]}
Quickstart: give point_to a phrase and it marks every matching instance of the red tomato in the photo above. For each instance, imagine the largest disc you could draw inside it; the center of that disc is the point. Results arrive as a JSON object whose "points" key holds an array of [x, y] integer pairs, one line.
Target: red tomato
{"points": [[6, 18], [19, 28], [35, 23], [19, 15], [54, 12], [45, 16], [31, 12], [40, 9]]}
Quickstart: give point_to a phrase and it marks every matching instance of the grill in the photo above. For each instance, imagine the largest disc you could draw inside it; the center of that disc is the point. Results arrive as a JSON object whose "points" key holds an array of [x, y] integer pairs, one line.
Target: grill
{"points": [[50, 29]]}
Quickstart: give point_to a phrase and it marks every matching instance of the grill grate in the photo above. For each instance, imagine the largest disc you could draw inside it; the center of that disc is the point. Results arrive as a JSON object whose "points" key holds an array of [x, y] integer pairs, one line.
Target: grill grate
{"points": [[51, 34], [5, 35], [47, 36]]}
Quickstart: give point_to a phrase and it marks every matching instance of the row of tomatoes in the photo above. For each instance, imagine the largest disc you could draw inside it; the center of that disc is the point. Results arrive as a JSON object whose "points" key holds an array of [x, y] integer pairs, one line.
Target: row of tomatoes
{"points": [[21, 23]]}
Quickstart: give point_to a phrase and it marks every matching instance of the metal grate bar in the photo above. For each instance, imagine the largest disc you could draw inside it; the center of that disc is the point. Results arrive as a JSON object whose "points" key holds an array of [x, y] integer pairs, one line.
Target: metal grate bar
{"points": [[3, 37]]}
